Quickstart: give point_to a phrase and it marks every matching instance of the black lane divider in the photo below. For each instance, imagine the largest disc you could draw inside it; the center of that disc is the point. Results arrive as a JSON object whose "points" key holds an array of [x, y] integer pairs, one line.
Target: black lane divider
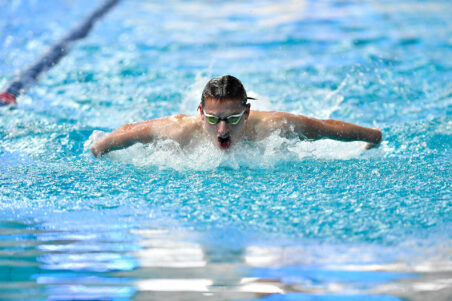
{"points": [[29, 76]]}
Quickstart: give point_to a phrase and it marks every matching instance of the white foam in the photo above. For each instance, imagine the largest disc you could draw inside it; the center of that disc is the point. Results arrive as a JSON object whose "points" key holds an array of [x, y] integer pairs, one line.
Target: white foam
{"points": [[267, 153]]}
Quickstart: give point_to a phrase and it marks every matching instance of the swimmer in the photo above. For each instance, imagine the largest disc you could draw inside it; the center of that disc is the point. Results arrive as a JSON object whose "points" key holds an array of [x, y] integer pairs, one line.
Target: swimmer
{"points": [[226, 118]]}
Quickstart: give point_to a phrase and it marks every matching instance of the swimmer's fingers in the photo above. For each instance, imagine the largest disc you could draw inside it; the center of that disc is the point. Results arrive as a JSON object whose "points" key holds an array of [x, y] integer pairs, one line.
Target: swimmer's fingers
{"points": [[370, 145], [374, 140], [95, 151]]}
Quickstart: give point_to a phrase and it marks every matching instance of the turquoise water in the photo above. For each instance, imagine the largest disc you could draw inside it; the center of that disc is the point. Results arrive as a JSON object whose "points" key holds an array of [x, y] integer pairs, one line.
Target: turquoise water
{"points": [[277, 220]]}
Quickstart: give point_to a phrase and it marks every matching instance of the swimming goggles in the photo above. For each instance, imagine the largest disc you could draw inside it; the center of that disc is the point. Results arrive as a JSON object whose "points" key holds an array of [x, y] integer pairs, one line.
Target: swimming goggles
{"points": [[231, 119]]}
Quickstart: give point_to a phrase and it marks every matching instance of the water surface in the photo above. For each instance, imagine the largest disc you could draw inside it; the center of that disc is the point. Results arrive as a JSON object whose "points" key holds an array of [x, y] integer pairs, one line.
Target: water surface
{"points": [[282, 220]]}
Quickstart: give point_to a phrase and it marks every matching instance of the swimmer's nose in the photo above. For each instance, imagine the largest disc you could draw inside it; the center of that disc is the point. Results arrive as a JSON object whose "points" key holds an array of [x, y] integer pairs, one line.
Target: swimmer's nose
{"points": [[222, 128]]}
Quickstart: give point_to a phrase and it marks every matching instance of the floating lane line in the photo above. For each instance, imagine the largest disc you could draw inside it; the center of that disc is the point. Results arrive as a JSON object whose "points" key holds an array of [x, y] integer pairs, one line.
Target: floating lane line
{"points": [[29, 76]]}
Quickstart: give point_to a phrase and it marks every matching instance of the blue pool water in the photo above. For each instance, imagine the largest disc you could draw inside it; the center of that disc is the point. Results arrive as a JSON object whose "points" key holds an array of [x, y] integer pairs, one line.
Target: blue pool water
{"points": [[277, 220]]}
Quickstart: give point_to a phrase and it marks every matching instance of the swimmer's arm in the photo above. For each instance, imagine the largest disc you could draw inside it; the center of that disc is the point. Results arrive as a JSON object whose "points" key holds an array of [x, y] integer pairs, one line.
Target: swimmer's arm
{"points": [[123, 137], [316, 129]]}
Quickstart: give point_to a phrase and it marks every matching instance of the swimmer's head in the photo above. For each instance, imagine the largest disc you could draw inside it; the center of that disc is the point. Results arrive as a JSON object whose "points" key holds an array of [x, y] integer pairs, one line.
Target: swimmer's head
{"points": [[224, 110], [225, 87]]}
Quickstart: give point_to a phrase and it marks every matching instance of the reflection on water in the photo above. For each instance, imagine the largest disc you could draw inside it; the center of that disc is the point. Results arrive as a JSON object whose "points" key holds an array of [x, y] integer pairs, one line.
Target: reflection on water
{"points": [[169, 264], [40, 263]]}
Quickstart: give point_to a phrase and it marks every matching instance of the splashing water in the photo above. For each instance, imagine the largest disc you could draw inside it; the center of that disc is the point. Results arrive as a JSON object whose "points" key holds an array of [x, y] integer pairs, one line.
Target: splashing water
{"points": [[266, 153]]}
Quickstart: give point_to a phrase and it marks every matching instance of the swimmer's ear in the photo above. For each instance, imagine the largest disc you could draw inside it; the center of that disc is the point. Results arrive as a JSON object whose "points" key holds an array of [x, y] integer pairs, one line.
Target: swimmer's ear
{"points": [[201, 112], [247, 110]]}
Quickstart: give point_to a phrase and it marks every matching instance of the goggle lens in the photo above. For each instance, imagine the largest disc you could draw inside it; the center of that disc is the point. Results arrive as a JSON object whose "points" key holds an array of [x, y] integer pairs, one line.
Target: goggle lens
{"points": [[212, 119], [233, 119]]}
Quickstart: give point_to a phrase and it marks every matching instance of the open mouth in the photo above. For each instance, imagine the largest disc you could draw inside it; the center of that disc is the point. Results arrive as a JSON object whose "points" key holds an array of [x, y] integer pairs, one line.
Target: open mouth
{"points": [[224, 142]]}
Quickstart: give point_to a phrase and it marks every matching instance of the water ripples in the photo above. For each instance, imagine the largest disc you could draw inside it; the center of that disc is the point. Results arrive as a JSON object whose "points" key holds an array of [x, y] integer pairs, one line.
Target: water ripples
{"points": [[300, 218]]}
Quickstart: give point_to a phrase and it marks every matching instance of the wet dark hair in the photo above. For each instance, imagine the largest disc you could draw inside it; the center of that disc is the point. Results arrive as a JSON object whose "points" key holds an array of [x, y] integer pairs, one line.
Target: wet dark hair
{"points": [[225, 87]]}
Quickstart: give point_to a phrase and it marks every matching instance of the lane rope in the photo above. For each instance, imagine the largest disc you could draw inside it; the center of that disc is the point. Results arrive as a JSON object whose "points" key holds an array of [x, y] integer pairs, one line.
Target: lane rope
{"points": [[30, 75]]}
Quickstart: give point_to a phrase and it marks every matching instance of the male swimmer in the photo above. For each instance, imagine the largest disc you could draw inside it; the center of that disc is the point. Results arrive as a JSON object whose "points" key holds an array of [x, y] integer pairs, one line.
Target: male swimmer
{"points": [[226, 118]]}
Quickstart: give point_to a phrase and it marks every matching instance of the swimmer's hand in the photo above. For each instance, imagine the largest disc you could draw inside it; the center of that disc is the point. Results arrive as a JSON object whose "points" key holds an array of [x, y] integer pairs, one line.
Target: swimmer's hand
{"points": [[95, 150], [370, 145], [377, 140]]}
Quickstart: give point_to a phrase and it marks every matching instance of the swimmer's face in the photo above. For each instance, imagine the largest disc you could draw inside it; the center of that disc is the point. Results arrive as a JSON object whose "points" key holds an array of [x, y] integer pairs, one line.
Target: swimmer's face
{"points": [[224, 133]]}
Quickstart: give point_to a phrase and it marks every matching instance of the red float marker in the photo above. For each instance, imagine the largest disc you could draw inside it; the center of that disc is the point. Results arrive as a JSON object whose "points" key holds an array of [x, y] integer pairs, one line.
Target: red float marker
{"points": [[7, 99], [29, 76]]}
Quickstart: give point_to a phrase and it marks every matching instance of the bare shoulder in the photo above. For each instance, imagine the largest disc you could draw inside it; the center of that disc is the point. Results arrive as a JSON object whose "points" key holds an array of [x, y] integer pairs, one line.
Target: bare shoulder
{"points": [[265, 116], [178, 121], [184, 122], [183, 119], [263, 123], [181, 127]]}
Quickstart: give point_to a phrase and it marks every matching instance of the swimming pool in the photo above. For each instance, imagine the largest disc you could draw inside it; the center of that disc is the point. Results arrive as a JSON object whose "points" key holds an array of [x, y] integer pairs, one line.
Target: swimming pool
{"points": [[280, 220]]}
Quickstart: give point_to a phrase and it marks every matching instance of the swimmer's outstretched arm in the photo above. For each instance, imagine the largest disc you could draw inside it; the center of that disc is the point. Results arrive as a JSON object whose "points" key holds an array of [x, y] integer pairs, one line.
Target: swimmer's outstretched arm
{"points": [[123, 137], [315, 129], [341, 130]]}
